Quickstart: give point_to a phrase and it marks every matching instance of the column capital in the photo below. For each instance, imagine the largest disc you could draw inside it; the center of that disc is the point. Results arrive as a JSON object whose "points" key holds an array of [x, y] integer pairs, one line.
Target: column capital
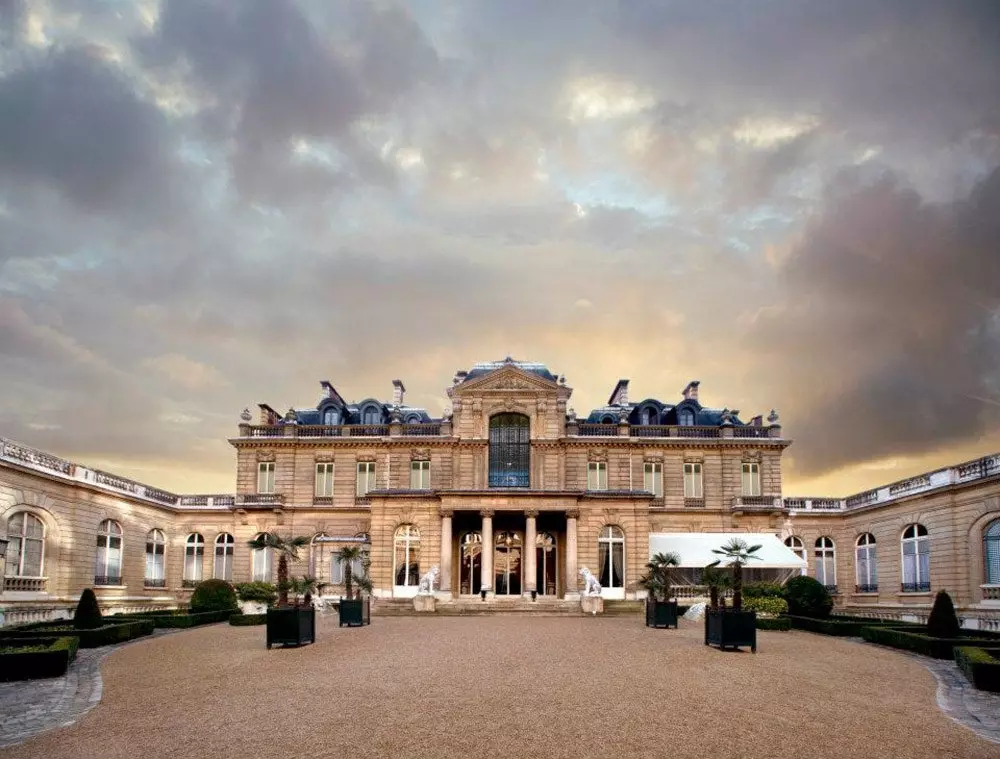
{"points": [[572, 513], [486, 513], [531, 513], [449, 513]]}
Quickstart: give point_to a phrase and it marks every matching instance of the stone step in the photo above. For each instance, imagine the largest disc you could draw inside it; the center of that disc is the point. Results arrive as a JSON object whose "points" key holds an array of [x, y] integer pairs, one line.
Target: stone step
{"points": [[403, 607]]}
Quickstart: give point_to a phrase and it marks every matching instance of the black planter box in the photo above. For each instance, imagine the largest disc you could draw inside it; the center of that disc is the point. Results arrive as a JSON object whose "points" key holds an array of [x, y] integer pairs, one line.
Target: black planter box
{"points": [[727, 628], [355, 612], [661, 613], [291, 625]]}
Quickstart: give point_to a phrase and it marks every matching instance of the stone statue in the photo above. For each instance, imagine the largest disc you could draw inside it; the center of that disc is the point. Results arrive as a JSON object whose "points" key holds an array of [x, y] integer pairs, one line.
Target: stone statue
{"points": [[591, 587], [246, 417], [426, 587]]}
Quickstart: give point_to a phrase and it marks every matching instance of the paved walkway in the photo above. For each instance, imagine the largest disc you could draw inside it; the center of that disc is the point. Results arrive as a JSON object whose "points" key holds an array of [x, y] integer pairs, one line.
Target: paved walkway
{"points": [[976, 709]]}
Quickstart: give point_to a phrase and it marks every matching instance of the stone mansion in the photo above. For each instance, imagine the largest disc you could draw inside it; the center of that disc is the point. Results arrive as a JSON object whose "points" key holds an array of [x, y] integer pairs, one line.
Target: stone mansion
{"points": [[510, 492]]}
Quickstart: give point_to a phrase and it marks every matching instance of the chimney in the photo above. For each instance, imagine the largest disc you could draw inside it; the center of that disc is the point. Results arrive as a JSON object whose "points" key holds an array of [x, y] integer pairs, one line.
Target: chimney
{"points": [[691, 391], [267, 414], [397, 392], [619, 396], [757, 421]]}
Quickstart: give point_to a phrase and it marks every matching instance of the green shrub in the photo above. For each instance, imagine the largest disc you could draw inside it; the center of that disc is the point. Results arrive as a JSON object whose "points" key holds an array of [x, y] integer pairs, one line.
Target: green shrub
{"points": [[807, 597], [765, 605], [96, 637], [980, 665], [213, 595], [245, 620], [31, 658], [763, 590], [88, 613], [943, 622], [189, 620], [919, 642], [773, 623], [263, 592]]}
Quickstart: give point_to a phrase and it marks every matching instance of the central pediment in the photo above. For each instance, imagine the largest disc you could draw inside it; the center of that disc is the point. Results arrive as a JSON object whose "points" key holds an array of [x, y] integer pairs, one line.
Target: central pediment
{"points": [[509, 377]]}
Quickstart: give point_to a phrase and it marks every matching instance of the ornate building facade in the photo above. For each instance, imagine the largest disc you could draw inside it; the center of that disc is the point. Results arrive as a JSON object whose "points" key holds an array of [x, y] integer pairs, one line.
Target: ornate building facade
{"points": [[509, 468]]}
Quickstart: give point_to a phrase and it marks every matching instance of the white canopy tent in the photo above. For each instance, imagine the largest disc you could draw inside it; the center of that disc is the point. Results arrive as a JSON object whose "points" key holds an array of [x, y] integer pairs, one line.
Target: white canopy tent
{"points": [[695, 548]]}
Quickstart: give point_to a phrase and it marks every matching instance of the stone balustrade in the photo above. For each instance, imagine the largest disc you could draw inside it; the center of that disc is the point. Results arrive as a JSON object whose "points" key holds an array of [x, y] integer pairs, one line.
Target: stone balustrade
{"points": [[260, 500], [24, 584]]}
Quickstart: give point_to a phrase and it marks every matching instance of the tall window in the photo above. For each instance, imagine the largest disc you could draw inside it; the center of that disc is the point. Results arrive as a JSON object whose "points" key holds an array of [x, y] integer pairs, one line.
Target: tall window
{"points": [[324, 479], [611, 557], [991, 553], [826, 562], [108, 566], [321, 555], [693, 484], [916, 548], [471, 562], [751, 478], [265, 477], [223, 569], [406, 556], [260, 562], [798, 549], [685, 417], [652, 478], [26, 550], [510, 451], [420, 475], [597, 475], [358, 565], [331, 416], [546, 564], [866, 564], [366, 477], [156, 546], [194, 553]]}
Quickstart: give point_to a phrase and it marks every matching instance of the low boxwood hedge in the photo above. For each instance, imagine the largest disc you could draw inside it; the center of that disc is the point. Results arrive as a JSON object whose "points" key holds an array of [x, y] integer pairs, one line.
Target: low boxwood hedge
{"points": [[917, 640], [105, 635], [51, 660], [980, 665], [843, 626], [245, 620], [774, 623], [181, 618]]}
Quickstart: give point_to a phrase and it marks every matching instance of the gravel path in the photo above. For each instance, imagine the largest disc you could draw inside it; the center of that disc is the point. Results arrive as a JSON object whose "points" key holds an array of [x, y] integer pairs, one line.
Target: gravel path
{"points": [[508, 686]]}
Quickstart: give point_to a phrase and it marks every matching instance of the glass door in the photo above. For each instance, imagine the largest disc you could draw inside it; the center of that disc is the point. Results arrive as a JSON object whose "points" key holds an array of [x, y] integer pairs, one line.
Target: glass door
{"points": [[507, 564]]}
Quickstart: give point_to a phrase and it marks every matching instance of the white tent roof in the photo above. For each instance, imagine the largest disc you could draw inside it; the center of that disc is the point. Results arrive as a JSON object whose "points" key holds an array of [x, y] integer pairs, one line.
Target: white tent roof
{"points": [[695, 548]]}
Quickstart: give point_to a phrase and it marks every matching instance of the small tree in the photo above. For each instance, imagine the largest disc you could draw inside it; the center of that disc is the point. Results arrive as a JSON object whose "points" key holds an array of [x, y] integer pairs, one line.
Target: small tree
{"points": [[88, 612], [736, 553], [807, 597], [286, 548], [943, 622], [213, 595], [716, 580], [347, 556], [657, 579]]}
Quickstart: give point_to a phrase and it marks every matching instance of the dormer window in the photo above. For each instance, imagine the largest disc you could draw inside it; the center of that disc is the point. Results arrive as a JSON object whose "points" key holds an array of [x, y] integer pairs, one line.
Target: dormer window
{"points": [[649, 416], [371, 415], [685, 417], [608, 419], [331, 416], [413, 419]]}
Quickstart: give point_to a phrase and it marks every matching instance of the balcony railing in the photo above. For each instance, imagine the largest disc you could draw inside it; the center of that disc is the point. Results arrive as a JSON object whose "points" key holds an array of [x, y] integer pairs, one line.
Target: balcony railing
{"points": [[265, 430], [991, 592], [320, 430], [757, 502], [421, 429], [598, 430], [862, 499], [694, 503], [210, 501], [260, 500], [831, 589], [866, 588], [107, 579], [149, 583], [915, 587], [25, 584], [189, 583], [751, 431], [362, 500]]}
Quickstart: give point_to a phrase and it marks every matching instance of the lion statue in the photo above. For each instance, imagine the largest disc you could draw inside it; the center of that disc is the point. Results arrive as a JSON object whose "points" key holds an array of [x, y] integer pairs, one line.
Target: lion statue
{"points": [[426, 586], [591, 587]]}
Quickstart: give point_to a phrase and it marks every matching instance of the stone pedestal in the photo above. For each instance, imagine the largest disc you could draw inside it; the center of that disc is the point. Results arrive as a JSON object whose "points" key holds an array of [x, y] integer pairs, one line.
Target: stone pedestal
{"points": [[423, 603], [592, 604]]}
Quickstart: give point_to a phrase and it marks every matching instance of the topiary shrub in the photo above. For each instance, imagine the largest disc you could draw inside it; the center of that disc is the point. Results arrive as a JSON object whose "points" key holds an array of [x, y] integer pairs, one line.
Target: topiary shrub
{"points": [[807, 597], [766, 605], [943, 622], [763, 590], [213, 595], [88, 613], [262, 592]]}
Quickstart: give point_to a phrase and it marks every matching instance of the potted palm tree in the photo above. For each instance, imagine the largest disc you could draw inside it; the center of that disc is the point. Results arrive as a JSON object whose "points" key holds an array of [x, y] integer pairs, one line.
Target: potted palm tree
{"points": [[717, 583], [733, 627], [353, 608], [661, 611], [290, 625]]}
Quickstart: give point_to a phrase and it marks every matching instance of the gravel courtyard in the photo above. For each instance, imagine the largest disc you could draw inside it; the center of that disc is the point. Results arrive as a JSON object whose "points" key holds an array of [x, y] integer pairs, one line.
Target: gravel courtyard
{"points": [[508, 686]]}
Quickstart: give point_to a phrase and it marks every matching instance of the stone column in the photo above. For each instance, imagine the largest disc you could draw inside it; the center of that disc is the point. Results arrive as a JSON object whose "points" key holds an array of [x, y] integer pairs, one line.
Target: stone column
{"points": [[486, 566], [572, 579], [530, 553], [445, 579]]}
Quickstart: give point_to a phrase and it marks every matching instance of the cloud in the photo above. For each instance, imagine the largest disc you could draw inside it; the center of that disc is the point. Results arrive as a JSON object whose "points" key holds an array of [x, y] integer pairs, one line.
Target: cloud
{"points": [[188, 374]]}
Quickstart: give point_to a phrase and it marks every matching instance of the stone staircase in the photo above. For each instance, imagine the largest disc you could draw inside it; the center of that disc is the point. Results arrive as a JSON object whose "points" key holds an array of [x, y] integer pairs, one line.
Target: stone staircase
{"points": [[469, 607]]}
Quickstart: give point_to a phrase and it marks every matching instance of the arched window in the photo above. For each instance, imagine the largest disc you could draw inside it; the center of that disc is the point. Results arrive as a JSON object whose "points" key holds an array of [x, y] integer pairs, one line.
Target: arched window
{"points": [[608, 419], [156, 546], [991, 553], [26, 550], [826, 563], [260, 562], [471, 564], [510, 451], [413, 419], [108, 566], [866, 566], [649, 415], [916, 549], [331, 416], [224, 545], [685, 417], [546, 564], [507, 555], [611, 561], [798, 549], [372, 414], [406, 556], [194, 553]]}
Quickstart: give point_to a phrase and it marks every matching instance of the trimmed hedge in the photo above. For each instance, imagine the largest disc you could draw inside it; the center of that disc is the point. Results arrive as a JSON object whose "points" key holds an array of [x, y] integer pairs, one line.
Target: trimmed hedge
{"points": [[766, 605], [29, 665], [919, 642], [246, 620], [774, 623], [182, 619], [213, 595], [849, 627], [980, 665], [105, 635]]}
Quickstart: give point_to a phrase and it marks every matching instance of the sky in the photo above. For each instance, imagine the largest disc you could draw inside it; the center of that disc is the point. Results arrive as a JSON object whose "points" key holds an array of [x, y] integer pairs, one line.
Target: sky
{"points": [[208, 205]]}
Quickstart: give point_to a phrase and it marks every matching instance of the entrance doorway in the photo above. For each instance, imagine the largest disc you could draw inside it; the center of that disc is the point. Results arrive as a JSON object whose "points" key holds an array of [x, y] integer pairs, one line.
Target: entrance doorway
{"points": [[470, 566], [507, 564], [546, 565]]}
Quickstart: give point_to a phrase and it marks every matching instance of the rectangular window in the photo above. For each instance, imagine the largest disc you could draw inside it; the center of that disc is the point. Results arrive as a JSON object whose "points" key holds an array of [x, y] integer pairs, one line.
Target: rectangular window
{"points": [[265, 477], [366, 477], [751, 479], [420, 475], [324, 479], [597, 475], [693, 484], [652, 479]]}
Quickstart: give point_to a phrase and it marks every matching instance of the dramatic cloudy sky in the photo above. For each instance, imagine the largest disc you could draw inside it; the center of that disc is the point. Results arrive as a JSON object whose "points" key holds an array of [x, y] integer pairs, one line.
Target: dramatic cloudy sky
{"points": [[205, 205]]}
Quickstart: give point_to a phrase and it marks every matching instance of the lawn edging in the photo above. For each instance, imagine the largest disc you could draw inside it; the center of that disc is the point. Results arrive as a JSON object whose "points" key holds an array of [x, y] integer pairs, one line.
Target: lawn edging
{"points": [[980, 665], [919, 642], [105, 635]]}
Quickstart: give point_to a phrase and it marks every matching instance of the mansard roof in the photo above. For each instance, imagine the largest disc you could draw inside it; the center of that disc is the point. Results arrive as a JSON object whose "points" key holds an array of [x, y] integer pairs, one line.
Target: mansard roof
{"points": [[485, 367], [664, 413]]}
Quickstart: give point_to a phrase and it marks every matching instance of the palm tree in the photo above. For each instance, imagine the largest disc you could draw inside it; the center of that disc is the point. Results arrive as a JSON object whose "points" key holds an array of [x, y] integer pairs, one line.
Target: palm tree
{"points": [[347, 556], [716, 580], [286, 548], [657, 579], [738, 553]]}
